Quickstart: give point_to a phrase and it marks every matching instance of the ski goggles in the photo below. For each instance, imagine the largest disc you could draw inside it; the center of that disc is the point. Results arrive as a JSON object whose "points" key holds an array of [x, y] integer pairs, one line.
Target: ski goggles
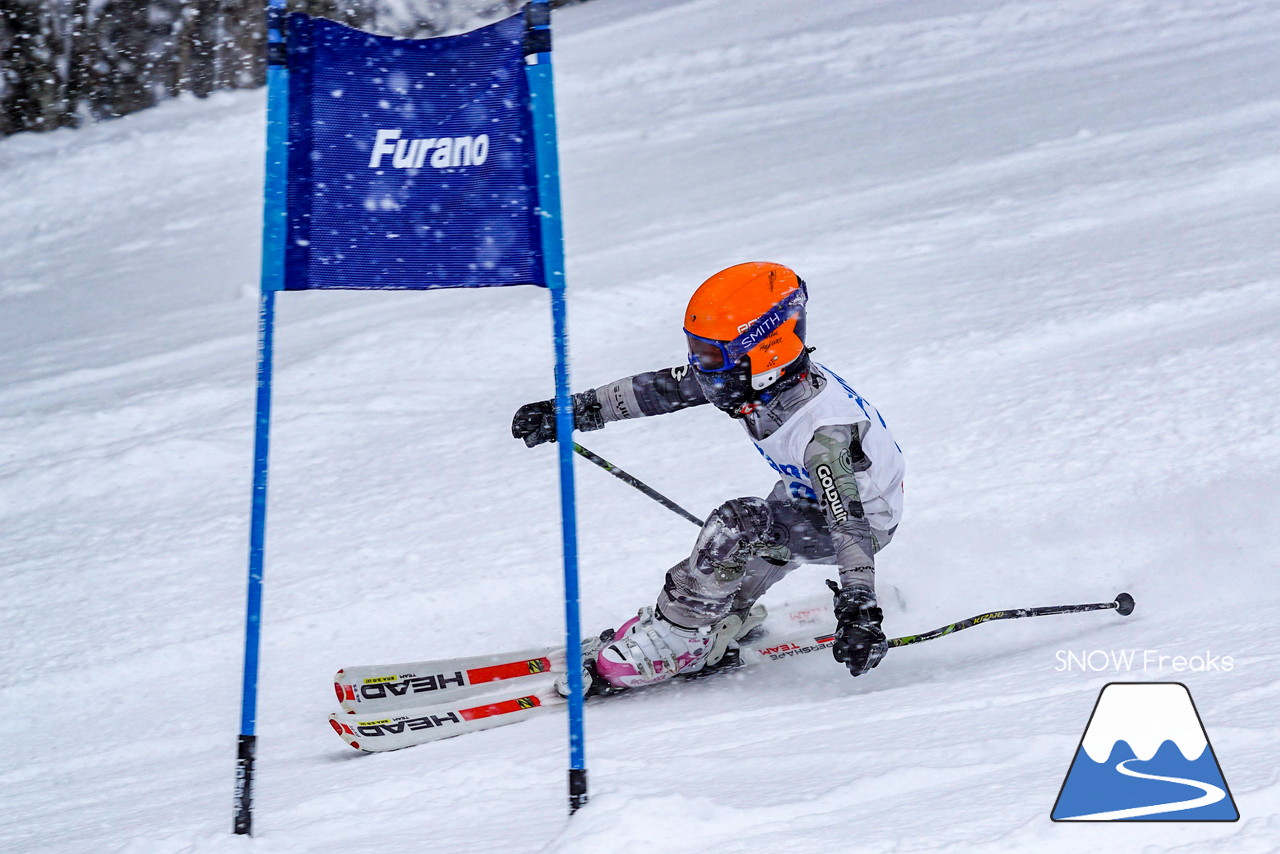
{"points": [[711, 356]]}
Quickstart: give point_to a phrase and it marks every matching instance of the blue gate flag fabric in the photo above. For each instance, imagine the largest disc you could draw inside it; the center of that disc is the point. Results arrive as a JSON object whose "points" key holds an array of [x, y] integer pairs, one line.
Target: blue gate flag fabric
{"points": [[411, 161], [1145, 756]]}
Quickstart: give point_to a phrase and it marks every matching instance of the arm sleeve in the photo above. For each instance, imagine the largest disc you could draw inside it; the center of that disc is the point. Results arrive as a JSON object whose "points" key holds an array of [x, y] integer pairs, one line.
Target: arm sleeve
{"points": [[651, 393], [833, 457]]}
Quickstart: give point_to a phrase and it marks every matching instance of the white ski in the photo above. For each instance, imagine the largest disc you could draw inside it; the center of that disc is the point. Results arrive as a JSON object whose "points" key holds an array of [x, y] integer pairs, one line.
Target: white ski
{"points": [[510, 701], [380, 688]]}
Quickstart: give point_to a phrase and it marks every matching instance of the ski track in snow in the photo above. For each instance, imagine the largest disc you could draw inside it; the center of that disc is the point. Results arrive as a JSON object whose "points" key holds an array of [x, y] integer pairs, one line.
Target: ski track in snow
{"points": [[1039, 236]]}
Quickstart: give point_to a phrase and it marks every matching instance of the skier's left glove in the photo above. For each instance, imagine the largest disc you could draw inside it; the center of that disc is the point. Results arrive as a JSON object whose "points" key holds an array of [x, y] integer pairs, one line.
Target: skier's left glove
{"points": [[860, 642], [536, 422]]}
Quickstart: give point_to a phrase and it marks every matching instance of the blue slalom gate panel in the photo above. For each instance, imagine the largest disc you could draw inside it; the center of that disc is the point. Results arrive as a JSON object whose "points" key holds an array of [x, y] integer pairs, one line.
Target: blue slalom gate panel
{"points": [[411, 161]]}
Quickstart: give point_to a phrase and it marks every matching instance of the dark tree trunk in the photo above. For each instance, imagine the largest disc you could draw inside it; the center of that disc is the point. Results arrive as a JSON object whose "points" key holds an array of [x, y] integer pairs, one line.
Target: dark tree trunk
{"points": [[174, 19], [245, 30], [122, 37], [252, 62], [8, 76], [202, 65], [80, 60], [32, 65]]}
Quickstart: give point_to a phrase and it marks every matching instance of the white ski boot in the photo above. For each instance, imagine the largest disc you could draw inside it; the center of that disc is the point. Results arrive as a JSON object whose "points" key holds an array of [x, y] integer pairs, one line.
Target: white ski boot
{"points": [[648, 649]]}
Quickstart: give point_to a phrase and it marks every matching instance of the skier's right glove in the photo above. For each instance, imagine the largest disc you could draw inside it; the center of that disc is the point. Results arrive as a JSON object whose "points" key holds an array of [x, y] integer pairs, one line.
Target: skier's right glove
{"points": [[536, 422], [860, 642]]}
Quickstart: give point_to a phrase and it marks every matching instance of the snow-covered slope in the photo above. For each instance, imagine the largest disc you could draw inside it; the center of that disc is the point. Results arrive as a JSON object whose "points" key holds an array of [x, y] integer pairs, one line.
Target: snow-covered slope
{"points": [[1040, 236]]}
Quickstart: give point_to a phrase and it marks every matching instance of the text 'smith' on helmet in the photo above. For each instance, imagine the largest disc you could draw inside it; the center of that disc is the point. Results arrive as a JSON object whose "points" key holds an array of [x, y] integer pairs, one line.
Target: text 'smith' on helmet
{"points": [[745, 328]]}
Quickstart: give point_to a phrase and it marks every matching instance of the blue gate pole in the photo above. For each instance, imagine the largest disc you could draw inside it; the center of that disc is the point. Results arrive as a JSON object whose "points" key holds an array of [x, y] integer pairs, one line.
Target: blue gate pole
{"points": [[542, 91], [273, 234]]}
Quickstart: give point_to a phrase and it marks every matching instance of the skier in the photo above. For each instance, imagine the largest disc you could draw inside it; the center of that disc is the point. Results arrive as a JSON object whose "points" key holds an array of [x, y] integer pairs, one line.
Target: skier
{"points": [[838, 501]]}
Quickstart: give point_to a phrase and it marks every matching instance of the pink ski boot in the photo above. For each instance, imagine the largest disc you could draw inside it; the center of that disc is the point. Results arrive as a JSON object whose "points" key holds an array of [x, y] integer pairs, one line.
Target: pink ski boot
{"points": [[648, 649]]}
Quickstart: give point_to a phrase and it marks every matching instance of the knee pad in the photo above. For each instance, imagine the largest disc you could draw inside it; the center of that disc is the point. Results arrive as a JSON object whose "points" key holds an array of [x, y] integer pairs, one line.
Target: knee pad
{"points": [[733, 533]]}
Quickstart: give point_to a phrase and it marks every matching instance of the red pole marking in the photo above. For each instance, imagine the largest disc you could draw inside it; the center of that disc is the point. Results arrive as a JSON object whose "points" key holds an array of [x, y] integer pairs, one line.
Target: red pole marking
{"points": [[506, 707], [510, 670]]}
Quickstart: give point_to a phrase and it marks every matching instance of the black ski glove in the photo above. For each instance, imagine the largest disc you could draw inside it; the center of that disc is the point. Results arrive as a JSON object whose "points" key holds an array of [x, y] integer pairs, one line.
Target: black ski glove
{"points": [[536, 422], [860, 642]]}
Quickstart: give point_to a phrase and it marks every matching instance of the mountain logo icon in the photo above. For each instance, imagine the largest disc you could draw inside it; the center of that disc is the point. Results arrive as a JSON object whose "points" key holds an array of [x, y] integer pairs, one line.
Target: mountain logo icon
{"points": [[1145, 756]]}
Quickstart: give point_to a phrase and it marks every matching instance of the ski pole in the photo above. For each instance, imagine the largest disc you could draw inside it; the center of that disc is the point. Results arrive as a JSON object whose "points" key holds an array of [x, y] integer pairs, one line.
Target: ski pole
{"points": [[638, 484], [1123, 605]]}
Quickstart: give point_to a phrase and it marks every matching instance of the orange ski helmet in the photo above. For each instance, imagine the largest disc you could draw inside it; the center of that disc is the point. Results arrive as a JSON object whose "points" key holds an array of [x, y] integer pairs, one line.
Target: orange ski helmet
{"points": [[745, 328]]}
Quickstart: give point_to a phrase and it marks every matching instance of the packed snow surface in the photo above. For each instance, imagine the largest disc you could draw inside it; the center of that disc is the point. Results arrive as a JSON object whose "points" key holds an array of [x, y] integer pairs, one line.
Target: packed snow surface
{"points": [[1040, 236]]}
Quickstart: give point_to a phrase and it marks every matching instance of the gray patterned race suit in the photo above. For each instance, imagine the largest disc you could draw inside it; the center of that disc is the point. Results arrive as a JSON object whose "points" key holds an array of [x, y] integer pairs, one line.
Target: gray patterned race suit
{"points": [[748, 544]]}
